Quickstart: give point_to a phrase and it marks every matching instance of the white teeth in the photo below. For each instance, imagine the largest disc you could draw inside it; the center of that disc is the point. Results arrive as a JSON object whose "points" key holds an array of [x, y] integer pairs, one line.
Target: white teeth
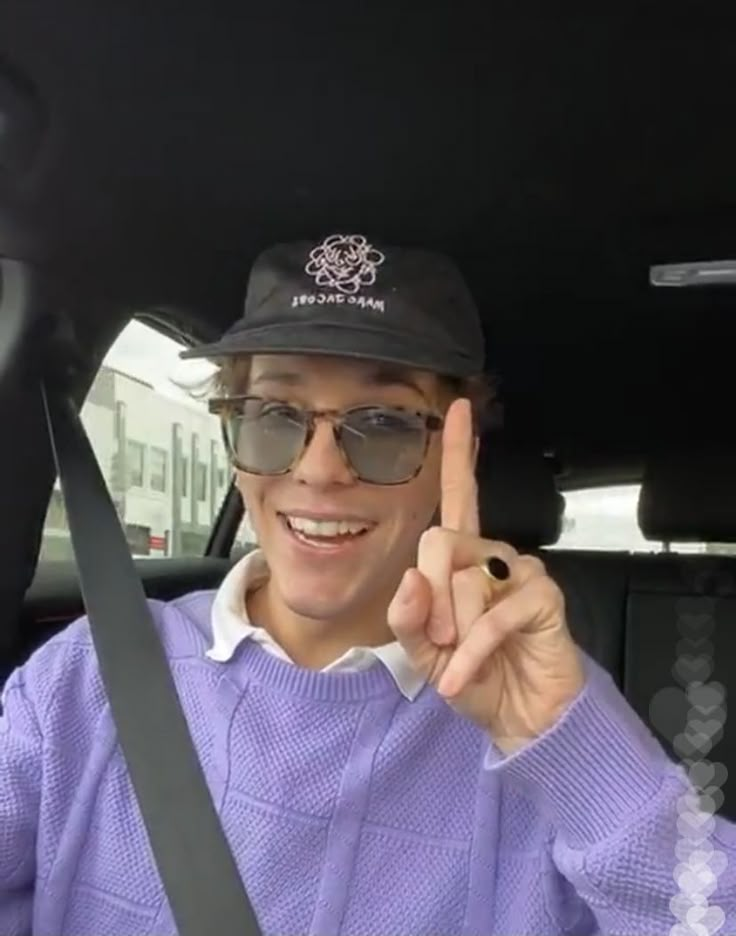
{"points": [[325, 527]]}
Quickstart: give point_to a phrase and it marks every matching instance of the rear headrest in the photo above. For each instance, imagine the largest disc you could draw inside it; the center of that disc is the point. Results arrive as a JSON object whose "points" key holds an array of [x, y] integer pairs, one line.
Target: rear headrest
{"points": [[688, 498], [518, 499]]}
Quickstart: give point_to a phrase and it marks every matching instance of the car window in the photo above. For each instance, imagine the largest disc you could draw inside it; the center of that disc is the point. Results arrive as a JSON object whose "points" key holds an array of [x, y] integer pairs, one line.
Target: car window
{"points": [[159, 448], [606, 518]]}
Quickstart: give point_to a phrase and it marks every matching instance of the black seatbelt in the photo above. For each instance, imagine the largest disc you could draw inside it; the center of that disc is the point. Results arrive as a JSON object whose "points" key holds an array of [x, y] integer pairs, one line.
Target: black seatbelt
{"points": [[197, 868]]}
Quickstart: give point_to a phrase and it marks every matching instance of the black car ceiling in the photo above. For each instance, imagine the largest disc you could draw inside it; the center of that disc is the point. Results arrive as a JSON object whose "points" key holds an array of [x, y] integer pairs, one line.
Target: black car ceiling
{"points": [[555, 151]]}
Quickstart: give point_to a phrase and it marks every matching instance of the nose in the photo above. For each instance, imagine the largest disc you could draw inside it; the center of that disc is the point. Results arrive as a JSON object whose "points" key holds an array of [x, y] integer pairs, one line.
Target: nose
{"points": [[322, 463]]}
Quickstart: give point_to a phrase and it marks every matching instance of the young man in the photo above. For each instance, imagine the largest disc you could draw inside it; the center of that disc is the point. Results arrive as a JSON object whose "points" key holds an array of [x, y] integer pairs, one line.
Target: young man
{"points": [[399, 733]]}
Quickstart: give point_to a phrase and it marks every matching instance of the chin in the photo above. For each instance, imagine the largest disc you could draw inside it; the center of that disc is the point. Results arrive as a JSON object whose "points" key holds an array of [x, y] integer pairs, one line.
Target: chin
{"points": [[319, 597], [323, 608]]}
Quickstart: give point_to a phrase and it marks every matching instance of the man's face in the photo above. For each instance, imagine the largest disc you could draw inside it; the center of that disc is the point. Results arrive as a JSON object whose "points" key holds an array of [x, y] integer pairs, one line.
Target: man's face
{"points": [[323, 580]]}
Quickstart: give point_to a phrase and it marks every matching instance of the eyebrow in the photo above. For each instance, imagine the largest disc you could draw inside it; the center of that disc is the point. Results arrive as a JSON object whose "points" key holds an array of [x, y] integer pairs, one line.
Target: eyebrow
{"points": [[388, 376], [383, 375]]}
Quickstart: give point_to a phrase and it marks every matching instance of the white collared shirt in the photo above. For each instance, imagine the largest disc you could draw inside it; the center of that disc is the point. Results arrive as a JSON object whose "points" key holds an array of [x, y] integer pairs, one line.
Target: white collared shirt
{"points": [[230, 626]]}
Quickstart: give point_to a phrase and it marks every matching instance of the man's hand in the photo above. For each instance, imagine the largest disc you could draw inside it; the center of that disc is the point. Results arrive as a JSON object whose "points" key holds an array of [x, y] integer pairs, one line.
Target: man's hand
{"points": [[498, 650]]}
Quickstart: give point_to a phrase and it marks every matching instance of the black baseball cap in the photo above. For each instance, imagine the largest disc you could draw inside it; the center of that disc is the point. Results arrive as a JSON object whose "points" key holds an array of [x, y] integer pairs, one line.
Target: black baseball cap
{"points": [[348, 297]]}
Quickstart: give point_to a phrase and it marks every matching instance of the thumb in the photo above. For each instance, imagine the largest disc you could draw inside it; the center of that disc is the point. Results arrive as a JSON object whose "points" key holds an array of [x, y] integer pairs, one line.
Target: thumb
{"points": [[409, 611]]}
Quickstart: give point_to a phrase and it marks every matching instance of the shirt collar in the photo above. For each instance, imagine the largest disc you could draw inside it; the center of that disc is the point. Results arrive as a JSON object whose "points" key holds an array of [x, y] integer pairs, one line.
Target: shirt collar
{"points": [[231, 626]]}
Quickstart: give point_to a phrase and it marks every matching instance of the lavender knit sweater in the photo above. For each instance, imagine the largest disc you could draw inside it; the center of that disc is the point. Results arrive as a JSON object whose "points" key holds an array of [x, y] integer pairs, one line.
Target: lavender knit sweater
{"points": [[349, 809]]}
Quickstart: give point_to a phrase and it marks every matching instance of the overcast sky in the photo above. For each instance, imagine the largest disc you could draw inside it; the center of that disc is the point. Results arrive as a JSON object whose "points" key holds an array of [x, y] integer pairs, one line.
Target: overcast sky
{"points": [[145, 353]]}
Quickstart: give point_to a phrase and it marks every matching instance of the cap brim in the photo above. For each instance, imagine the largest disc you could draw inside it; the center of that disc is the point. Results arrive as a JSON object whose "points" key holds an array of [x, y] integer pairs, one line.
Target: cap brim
{"points": [[340, 341]]}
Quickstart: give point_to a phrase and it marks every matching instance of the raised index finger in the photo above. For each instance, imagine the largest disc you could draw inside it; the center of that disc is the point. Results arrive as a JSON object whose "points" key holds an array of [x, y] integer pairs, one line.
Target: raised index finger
{"points": [[459, 490]]}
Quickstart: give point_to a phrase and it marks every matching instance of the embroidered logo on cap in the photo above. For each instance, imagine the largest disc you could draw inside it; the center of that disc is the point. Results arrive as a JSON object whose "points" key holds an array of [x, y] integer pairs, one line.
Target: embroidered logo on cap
{"points": [[345, 262]]}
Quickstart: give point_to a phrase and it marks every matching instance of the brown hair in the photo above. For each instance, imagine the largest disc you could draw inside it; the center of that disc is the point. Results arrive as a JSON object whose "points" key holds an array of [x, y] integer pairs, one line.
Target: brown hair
{"points": [[232, 376]]}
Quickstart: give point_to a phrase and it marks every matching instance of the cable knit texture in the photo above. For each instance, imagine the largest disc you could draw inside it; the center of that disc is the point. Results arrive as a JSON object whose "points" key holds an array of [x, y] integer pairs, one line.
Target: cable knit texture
{"points": [[349, 809]]}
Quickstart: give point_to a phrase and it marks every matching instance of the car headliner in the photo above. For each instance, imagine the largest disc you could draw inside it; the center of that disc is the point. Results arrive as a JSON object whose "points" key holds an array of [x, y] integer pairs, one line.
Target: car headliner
{"points": [[554, 152]]}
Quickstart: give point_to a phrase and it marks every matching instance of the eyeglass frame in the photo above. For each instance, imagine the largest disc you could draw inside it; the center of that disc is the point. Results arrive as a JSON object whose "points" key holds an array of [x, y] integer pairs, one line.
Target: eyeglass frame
{"points": [[219, 406]]}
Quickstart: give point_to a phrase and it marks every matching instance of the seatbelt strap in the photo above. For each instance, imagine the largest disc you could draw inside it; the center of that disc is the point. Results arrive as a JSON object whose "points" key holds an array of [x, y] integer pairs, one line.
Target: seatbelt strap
{"points": [[199, 874]]}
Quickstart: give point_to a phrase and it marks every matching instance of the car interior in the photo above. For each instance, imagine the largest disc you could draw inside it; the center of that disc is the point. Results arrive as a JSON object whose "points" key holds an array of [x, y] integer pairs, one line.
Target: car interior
{"points": [[574, 163]]}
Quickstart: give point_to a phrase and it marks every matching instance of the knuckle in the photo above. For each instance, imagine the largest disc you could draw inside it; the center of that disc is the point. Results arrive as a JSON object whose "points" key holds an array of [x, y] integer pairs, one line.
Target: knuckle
{"points": [[465, 578], [504, 551], [433, 538], [499, 620], [534, 564], [547, 590]]}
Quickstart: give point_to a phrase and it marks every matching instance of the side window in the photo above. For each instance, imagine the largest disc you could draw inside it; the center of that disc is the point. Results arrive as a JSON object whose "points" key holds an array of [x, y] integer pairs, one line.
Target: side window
{"points": [[201, 482], [158, 446], [159, 469], [135, 454], [606, 518]]}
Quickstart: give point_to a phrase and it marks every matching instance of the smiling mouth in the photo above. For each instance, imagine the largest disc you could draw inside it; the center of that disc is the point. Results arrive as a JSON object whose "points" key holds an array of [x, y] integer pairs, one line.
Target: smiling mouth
{"points": [[324, 533]]}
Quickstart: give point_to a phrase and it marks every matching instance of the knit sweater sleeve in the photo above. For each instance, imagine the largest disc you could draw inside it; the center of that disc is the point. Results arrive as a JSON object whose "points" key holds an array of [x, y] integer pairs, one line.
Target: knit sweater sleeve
{"points": [[20, 793], [640, 847]]}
